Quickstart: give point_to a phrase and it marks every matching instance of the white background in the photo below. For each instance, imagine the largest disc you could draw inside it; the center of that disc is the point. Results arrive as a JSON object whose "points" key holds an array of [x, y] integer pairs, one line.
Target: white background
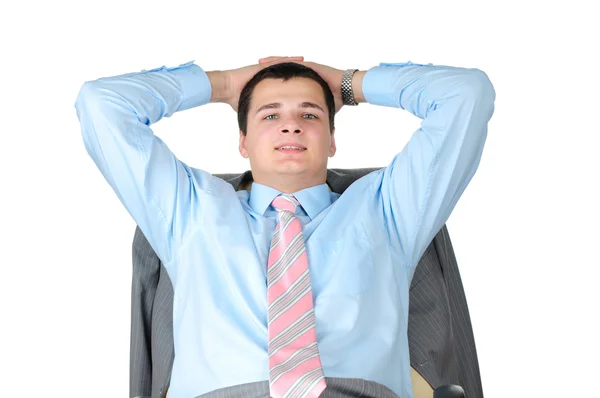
{"points": [[525, 231]]}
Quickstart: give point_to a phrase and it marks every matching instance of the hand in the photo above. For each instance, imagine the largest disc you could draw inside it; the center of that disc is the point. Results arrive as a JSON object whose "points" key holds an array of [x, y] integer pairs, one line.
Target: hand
{"points": [[332, 76], [233, 81]]}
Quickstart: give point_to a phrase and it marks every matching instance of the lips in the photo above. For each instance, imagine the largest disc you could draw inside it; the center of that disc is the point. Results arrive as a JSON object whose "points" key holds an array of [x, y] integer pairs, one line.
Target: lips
{"points": [[288, 148], [291, 147]]}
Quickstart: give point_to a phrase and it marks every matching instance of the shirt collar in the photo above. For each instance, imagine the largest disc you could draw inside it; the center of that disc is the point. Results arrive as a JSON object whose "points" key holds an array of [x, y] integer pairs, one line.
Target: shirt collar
{"points": [[313, 199]]}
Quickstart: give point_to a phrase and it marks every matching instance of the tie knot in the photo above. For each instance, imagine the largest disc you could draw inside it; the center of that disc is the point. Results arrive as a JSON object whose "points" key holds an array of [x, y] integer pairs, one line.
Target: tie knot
{"points": [[288, 203]]}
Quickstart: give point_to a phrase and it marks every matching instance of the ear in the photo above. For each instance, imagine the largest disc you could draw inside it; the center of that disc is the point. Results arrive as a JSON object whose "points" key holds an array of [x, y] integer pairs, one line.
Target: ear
{"points": [[243, 149], [332, 147]]}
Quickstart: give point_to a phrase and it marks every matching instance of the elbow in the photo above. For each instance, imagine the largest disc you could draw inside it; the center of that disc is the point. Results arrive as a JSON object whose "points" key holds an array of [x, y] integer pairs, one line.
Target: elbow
{"points": [[479, 90], [89, 97], [481, 86], [96, 93], [95, 97]]}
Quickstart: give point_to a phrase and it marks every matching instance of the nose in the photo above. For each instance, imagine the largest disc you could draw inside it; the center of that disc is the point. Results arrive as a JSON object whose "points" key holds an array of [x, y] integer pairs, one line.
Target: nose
{"points": [[287, 130], [291, 124]]}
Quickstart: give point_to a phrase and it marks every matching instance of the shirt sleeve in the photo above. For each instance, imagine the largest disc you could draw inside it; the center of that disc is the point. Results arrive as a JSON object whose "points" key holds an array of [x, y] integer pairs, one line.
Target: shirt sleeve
{"points": [[422, 184], [156, 188]]}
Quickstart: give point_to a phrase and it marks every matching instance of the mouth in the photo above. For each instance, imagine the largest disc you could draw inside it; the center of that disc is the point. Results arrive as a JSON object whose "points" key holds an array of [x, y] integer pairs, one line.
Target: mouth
{"points": [[290, 148]]}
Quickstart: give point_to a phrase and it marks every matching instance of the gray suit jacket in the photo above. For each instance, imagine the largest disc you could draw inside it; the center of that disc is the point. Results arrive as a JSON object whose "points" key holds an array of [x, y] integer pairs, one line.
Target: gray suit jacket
{"points": [[441, 342]]}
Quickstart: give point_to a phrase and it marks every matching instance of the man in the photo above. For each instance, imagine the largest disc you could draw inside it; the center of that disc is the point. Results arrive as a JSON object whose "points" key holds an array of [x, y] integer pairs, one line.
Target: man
{"points": [[299, 286]]}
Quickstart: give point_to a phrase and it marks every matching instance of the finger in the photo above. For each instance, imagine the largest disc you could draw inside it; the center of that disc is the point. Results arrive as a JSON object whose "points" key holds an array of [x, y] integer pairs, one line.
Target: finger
{"points": [[278, 59], [273, 57], [269, 59], [286, 59], [266, 60]]}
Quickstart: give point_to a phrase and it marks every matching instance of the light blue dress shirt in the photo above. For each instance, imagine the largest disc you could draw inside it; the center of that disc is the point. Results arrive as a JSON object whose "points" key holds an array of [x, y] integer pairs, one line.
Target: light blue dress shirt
{"points": [[362, 245]]}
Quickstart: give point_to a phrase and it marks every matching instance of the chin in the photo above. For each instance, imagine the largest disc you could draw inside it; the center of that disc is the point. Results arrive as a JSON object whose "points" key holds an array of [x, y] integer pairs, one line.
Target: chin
{"points": [[291, 168]]}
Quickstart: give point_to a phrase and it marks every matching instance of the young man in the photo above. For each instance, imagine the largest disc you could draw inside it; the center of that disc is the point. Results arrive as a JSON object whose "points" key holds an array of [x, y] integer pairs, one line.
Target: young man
{"points": [[289, 283]]}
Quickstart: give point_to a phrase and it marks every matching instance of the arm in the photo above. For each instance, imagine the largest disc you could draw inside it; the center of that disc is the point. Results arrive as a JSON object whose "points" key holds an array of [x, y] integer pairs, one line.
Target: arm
{"points": [[115, 114], [422, 184], [159, 191]]}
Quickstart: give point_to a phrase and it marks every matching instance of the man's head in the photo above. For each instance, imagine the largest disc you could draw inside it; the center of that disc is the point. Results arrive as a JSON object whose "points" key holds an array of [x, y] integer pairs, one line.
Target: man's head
{"points": [[287, 105]]}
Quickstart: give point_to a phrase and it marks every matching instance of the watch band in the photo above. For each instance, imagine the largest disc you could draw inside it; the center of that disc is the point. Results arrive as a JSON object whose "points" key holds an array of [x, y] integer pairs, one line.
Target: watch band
{"points": [[347, 95]]}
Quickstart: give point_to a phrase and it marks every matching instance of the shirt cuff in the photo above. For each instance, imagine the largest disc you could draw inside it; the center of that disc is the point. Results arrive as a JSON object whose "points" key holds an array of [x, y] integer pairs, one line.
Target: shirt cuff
{"points": [[380, 84], [195, 86]]}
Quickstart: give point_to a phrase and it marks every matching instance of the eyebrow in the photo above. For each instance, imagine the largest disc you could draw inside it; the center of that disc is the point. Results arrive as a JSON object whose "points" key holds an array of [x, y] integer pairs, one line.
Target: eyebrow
{"points": [[276, 105]]}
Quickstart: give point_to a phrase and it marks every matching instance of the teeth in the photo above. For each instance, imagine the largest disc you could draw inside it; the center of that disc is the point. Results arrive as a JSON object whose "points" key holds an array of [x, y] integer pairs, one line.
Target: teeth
{"points": [[292, 147]]}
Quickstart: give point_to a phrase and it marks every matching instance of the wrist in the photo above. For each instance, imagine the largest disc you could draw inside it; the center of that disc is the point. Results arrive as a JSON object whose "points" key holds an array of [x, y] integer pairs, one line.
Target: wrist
{"points": [[357, 91], [219, 86]]}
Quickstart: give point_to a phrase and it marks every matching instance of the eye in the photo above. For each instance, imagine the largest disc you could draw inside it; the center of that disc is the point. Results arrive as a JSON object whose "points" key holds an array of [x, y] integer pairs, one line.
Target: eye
{"points": [[310, 116], [270, 117]]}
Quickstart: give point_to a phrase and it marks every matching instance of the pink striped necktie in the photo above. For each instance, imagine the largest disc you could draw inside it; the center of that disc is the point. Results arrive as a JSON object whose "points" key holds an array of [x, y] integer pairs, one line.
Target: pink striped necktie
{"points": [[294, 363]]}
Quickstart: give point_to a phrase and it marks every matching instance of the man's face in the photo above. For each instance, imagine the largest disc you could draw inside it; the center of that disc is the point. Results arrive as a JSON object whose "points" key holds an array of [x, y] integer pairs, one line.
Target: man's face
{"points": [[290, 113]]}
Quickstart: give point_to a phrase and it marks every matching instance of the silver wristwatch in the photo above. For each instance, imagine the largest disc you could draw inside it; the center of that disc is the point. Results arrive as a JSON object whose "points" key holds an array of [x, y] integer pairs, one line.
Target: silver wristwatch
{"points": [[347, 95]]}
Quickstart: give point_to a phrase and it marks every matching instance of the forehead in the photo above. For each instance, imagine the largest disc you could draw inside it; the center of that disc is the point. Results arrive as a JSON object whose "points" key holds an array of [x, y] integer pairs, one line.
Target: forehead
{"points": [[298, 89]]}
